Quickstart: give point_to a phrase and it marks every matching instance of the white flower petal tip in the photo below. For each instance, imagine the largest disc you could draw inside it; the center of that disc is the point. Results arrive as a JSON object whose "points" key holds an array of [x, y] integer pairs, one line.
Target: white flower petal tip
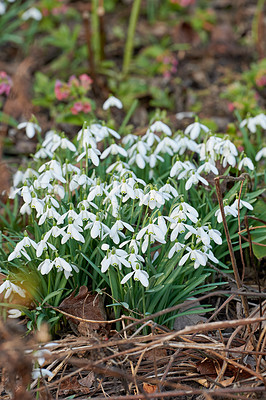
{"points": [[112, 102]]}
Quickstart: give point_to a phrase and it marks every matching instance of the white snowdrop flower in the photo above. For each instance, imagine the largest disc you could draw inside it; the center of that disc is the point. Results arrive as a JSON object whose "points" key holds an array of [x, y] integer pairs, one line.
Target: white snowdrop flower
{"points": [[51, 200], [116, 230], [138, 159], [194, 179], [150, 137], [64, 144], [26, 242], [25, 191], [152, 199], [207, 167], [228, 210], [252, 122], [246, 162], [175, 249], [180, 227], [20, 248], [182, 169], [201, 235], [118, 166], [133, 245], [41, 355], [130, 139], [30, 127], [168, 188], [260, 154], [30, 173], [114, 257], [59, 190], [80, 180], [73, 232], [2, 8], [50, 213], [33, 13], [152, 229], [97, 190], [184, 211], [139, 147], [10, 287], [183, 143], [100, 132], [197, 256], [92, 154], [59, 262], [43, 246], [25, 209], [229, 153], [160, 126], [14, 313], [42, 153], [41, 373], [70, 214], [194, 130], [55, 231], [18, 177], [45, 266], [138, 275], [112, 101], [51, 137], [86, 204], [97, 228], [176, 168], [113, 149], [68, 168], [215, 235], [152, 159], [162, 221], [242, 204], [167, 146], [207, 251], [17, 253], [135, 259], [182, 115]]}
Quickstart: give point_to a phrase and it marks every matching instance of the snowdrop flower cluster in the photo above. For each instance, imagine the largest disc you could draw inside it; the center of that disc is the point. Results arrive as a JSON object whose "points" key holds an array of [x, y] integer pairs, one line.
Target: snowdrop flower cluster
{"points": [[252, 122], [110, 211]]}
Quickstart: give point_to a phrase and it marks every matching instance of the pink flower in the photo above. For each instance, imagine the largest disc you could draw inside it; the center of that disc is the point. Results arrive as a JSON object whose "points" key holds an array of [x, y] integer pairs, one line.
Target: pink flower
{"points": [[5, 83], [77, 108], [86, 81], [261, 82], [231, 107], [62, 91], [86, 107], [73, 81]]}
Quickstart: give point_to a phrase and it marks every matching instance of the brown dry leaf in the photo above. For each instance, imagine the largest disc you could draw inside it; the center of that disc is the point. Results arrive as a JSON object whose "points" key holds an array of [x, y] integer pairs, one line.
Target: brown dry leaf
{"points": [[227, 382], [71, 385], [86, 306], [208, 367], [88, 380], [202, 382], [149, 388], [157, 353]]}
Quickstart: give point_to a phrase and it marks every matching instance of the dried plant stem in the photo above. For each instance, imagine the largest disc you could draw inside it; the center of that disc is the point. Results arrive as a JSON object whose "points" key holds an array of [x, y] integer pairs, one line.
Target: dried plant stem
{"points": [[130, 36], [229, 242]]}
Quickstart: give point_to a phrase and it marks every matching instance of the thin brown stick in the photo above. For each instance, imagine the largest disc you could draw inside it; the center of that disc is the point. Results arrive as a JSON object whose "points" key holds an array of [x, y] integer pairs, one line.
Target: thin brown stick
{"points": [[227, 234], [239, 236]]}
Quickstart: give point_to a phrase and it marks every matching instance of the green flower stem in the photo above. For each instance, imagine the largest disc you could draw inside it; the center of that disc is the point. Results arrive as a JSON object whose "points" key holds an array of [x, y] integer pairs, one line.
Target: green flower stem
{"points": [[130, 36]]}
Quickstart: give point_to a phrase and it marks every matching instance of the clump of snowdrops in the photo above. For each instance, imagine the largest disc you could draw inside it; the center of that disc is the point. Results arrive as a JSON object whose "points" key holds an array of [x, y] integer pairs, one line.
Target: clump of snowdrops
{"points": [[138, 219]]}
